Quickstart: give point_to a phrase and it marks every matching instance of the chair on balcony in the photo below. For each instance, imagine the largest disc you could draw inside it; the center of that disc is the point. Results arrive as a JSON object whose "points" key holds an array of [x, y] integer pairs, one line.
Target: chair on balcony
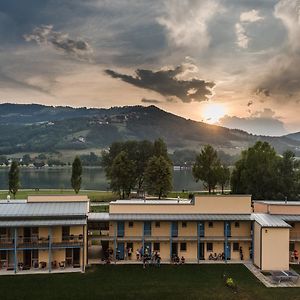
{"points": [[80, 237], [62, 264], [43, 264]]}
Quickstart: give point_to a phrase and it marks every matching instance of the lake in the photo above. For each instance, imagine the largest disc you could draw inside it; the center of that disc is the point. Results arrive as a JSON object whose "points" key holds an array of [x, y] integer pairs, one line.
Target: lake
{"points": [[92, 179]]}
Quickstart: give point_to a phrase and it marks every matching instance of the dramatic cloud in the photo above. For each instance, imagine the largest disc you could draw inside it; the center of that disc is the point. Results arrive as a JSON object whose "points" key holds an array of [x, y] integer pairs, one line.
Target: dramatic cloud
{"points": [[186, 22], [250, 16], [260, 122], [247, 17], [150, 101], [166, 83], [282, 74], [45, 35]]}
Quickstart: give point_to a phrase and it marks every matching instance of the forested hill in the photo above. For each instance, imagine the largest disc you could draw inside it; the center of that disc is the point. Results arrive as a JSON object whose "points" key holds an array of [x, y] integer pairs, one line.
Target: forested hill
{"points": [[38, 128]]}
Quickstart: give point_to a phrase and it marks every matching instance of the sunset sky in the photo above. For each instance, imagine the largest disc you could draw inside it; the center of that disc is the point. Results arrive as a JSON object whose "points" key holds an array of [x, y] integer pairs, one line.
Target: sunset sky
{"points": [[230, 62]]}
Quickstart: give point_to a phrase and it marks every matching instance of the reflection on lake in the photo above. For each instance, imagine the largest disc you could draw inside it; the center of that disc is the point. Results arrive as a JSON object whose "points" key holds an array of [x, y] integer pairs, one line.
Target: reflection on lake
{"points": [[92, 179]]}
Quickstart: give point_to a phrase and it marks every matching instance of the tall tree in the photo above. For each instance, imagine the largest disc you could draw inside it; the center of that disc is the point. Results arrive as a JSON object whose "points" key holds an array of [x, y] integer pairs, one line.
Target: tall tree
{"points": [[206, 167], [289, 175], [76, 174], [158, 176], [256, 173], [13, 178], [122, 175], [223, 176], [160, 149]]}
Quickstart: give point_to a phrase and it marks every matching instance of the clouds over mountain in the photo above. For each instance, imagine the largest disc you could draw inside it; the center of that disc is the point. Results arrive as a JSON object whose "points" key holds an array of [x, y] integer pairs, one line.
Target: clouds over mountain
{"points": [[169, 83], [260, 122], [45, 35]]}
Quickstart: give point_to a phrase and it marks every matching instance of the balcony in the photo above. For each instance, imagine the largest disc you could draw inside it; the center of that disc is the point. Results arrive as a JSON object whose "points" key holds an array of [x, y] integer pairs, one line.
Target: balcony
{"points": [[44, 243], [6, 243], [294, 236]]}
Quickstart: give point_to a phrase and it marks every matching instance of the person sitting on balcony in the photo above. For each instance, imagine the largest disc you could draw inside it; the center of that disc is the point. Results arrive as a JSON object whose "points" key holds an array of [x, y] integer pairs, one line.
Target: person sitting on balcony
{"points": [[223, 256], [215, 256], [182, 260], [296, 255], [210, 257], [129, 253]]}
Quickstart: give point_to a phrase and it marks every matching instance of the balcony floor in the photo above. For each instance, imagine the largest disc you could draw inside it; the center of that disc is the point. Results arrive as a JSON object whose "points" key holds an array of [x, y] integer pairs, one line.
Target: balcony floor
{"points": [[41, 271]]}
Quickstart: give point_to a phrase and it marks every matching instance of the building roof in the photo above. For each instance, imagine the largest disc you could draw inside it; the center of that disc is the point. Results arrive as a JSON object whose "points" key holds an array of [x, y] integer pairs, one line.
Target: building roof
{"points": [[152, 201], [168, 217], [266, 220], [23, 209], [274, 202], [289, 218], [33, 223]]}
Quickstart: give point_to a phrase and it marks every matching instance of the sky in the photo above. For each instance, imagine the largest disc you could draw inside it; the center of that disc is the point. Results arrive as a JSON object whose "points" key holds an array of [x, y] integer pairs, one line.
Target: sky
{"points": [[233, 63]]}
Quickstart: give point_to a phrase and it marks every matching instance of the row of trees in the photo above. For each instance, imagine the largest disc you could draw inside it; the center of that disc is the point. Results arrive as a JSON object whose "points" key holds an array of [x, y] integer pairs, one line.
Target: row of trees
{"points": [[260, 172], [14, 177], [264, 174], [140, 165]]}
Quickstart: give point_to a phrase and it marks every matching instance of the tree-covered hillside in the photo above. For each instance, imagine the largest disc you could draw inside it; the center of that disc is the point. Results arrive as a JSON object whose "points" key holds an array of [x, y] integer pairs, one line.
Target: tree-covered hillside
{"points": [[38, 128]]}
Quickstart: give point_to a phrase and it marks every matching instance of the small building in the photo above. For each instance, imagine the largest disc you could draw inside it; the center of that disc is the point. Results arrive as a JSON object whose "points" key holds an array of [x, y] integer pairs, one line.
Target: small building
{"points": [[43, 233]]}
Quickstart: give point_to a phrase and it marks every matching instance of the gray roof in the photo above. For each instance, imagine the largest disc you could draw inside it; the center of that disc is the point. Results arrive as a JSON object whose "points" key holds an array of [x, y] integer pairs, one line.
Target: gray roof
{"points": [[289, 218], [98, 216], [275, 202], [29, 223], [168, 217], [266, 220], [42, 209]]}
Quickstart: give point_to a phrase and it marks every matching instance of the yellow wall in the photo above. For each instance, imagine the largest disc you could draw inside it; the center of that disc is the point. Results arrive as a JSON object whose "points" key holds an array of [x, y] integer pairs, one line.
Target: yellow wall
{"points": [[189, 230], [136, 230], [256, 250], [244, 229], [216, 230], [275, 249], [231, 204], [163, 230]]}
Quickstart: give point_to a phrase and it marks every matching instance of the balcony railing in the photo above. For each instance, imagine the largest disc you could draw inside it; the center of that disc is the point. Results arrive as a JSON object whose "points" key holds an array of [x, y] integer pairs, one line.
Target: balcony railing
{"points": [[295, 235], [6, 243]]}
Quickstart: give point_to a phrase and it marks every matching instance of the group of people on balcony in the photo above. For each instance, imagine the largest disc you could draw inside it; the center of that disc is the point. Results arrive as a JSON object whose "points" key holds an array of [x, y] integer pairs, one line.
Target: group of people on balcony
{"points": [[178, 261]]}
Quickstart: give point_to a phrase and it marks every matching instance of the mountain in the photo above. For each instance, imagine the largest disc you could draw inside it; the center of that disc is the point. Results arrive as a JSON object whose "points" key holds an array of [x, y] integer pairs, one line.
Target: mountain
{"points": [[294, 136], [39, 128]]}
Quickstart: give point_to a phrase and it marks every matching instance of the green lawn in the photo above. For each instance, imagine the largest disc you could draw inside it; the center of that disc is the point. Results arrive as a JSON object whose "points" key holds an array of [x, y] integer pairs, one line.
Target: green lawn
{"points": [[133, 282], [93, 195]]}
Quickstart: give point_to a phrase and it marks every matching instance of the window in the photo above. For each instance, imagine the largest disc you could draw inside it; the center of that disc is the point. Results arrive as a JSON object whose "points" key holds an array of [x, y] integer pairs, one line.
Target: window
{"points": [[130, 224], [236, 247], [209, 247], [156, 246], [65, 233], [157, 224], [184, 224], [292, 247], [182, 246], [2, 255], [210, 224], [237, 224]]}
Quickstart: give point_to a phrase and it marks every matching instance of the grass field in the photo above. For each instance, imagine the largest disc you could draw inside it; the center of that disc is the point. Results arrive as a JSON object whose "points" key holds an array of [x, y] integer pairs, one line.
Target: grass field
{"points": [[93, 195], [133, 282]]}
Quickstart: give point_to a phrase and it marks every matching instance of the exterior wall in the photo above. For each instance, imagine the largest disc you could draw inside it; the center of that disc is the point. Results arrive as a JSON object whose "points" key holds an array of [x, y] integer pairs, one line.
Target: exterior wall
{"points": [[163, 231], [57, 198], [260, 207], [44, 256], [275, 258], [239, 204], [76, 230], [43, 232], [257, 244], [57, 234], [284, 209], [295, 231], [191, 251], [218, 247], [243, 230], [136, 230], [189, 230], [59, 255], [235, 255], [216, 231]]}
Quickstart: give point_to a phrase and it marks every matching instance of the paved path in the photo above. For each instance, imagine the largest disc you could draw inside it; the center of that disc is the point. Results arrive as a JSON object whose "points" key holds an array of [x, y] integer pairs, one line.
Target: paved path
{"points": [[267, 280]]}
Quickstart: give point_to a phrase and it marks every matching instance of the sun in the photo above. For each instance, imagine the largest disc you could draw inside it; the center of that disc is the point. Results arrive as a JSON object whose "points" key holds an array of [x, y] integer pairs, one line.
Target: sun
{"points": [[213, 112]]}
